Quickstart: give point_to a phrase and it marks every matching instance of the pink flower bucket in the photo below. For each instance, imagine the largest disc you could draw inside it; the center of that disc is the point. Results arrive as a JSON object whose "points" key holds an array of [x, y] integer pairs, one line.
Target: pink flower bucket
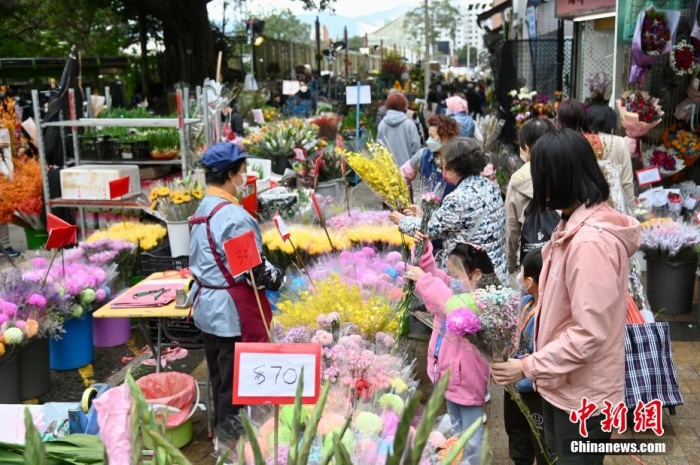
{"points": [[110, 332]]}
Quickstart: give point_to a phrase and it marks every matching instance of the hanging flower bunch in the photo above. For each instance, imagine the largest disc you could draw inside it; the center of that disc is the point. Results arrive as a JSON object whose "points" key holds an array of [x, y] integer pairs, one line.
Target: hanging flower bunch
{"points": [[598, 84], [682, 59], [681, 140], [647, 109], [655, 32], [663, 160]]}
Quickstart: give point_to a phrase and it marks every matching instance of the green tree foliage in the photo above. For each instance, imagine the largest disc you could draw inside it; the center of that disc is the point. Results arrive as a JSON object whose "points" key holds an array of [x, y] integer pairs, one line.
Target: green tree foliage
{"points": [[284, 25], [48, 28], [462, 55], [444, 17]]}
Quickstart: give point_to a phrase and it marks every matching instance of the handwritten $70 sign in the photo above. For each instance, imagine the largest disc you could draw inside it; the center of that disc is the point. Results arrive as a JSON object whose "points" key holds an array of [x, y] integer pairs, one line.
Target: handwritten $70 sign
{"points": [[242, 253], [270, 373]]}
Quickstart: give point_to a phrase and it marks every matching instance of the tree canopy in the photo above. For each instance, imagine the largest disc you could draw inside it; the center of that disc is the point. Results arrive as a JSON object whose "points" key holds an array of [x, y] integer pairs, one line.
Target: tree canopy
{"points": [[284, 25], [444, 17]]}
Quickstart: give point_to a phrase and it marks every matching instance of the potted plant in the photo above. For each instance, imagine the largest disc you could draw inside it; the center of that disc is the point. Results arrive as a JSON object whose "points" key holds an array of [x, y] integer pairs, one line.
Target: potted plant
{"points": [[670, 250], [278, 140]]}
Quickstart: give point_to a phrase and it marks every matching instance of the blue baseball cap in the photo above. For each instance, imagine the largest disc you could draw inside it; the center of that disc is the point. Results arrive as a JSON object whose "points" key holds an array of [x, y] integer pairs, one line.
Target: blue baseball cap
{"points": [[222, 155]]}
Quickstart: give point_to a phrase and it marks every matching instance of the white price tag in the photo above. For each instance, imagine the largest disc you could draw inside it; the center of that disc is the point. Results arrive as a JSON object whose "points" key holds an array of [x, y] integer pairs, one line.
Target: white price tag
{"points": [[258, 116], [270, 373], [649, 176], [351, 95], [290, 87]]}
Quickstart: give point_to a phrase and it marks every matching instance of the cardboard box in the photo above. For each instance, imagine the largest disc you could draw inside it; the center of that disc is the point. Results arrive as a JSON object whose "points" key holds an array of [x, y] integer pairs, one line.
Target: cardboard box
{"points": [[91, 182], [257, 165]]}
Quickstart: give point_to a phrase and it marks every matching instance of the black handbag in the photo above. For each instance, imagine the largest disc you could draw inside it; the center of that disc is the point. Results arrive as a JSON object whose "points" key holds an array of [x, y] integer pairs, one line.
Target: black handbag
{"points": [[537, 229]]}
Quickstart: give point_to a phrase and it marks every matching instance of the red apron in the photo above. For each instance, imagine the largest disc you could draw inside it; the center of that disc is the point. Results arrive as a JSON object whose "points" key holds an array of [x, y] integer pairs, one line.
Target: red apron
{"points": [[252, 326]]}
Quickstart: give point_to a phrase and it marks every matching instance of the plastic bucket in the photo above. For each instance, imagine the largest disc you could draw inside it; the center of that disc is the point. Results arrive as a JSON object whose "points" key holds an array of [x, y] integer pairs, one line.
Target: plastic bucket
{"points": [[670, 286], [110, 332], [34, 369], [9, 374], [35, 239], [180, 435], [75, 349]]}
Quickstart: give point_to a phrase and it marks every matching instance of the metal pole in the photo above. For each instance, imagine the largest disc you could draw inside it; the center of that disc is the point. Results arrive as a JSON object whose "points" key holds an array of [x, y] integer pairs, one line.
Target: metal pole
{"points": [[426, 65], [108, 98], [181, 127], [88, 92], [318, 46], [42, 152], [345, 36]]}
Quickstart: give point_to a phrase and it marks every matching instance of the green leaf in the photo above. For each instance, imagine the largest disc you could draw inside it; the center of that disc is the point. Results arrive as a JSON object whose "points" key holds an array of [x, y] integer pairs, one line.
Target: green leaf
{"points": [[174, 454], [312, 426], [296, 420], [401, 438], [257, 455], [485, 448], [437, 399], [34, 452], [328, 456], [340, 452], [463, 440]]}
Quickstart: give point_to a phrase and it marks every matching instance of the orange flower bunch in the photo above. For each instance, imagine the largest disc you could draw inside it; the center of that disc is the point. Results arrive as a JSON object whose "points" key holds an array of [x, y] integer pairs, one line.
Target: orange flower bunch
{"points": [[7, 120], [685, 142], [24, 189]]}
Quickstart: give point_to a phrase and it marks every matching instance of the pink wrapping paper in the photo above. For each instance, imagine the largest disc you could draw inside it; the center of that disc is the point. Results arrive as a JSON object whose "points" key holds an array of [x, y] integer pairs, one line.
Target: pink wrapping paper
{"points": [[113, 408]]}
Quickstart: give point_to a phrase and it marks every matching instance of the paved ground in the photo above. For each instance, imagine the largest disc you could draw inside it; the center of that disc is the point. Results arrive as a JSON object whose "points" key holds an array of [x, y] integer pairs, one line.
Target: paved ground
{"points": [[682, 430]]}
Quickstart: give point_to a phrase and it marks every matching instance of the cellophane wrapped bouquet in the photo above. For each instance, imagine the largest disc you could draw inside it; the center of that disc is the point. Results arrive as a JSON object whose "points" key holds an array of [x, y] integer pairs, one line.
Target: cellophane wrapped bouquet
{"points": [[490, 320], [379, 171]]}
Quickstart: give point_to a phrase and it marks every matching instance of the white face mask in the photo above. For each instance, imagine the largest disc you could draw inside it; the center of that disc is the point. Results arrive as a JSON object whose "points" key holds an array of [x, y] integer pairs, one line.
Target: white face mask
{"points": [[240, 188]]}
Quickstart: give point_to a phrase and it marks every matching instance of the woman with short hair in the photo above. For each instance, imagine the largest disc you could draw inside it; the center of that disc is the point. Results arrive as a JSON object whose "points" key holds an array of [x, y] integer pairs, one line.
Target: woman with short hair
{"points": [[397, 131]]}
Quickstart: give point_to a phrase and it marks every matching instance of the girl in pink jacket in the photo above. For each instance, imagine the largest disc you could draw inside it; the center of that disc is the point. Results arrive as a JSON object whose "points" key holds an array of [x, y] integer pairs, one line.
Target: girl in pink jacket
{"points": [[466, 265], [579, 347]]}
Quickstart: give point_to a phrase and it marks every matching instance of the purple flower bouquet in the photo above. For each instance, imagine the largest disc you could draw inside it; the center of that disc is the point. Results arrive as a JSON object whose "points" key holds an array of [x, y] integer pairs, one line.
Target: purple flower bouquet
{"points": [[653, 37]]}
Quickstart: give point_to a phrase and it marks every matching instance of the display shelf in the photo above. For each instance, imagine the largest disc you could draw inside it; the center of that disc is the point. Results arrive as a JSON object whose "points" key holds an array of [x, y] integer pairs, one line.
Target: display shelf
{"points": [[133, 203], [124, 161], [122, 122]]}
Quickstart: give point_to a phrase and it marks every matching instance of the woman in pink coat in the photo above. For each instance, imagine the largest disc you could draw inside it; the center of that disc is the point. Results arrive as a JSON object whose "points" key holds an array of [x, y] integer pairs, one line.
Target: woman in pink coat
{"points": [[467, 266], [580, 326]]}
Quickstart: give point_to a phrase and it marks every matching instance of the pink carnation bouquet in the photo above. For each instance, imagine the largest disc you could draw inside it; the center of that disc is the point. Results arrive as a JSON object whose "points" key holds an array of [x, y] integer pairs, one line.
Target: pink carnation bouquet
{"points": [[639, 114]]}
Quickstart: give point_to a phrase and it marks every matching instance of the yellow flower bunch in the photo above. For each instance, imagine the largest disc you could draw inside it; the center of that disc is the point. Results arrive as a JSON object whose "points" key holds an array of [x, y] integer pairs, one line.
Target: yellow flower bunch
{"points": [[309, 239], [176, 200], [143, 235], [373, 234], [379, 171], [371, 315]]}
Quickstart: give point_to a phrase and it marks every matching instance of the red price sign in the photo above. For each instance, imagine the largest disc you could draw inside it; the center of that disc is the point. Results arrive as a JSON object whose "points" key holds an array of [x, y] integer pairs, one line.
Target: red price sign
{"points": [[242, 253], [119, 187], [317, 207], [281, 227], [61, 233], [269, 373]]}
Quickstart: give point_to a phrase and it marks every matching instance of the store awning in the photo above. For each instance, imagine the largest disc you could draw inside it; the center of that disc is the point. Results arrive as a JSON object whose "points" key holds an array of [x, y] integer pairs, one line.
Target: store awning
{"points": [[493, 11]]}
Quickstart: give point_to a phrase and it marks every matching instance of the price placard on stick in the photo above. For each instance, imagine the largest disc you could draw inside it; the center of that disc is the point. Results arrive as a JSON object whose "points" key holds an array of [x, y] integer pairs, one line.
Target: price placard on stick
{"points": [[119, 187], [242, 253], [281, 227], [61, 233], [648, 176], [269, 373]]}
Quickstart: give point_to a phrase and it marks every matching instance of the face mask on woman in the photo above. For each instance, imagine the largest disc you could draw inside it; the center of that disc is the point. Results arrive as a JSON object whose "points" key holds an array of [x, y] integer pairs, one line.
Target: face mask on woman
{"points": [[241, 187], [433, 145]]}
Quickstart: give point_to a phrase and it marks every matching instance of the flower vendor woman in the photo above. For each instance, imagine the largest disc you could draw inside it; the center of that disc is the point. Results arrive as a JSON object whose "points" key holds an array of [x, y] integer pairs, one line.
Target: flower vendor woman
{"points": [[224, 306]]}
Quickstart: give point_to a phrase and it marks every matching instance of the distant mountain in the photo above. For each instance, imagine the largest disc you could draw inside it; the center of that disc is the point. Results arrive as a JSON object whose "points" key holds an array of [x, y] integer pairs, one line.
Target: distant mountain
{"points": [[357, 24]]}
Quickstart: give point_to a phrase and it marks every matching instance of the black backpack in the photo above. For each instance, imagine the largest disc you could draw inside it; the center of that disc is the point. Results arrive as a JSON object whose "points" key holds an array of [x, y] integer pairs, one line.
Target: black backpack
{"points": [[537, 229]]}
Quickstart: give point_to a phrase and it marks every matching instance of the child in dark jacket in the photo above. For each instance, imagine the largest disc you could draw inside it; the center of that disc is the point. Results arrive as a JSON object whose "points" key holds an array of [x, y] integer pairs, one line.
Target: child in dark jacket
{"points": [[522, 445]]}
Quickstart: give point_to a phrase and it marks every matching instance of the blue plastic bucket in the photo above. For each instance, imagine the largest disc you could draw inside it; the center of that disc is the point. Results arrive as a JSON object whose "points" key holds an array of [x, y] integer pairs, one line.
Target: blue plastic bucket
{"points": [[75, 349]]}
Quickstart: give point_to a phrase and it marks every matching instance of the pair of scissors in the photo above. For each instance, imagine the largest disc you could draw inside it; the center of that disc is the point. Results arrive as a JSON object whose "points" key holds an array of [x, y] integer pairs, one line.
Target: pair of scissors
{"points": [[156, 293]]}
